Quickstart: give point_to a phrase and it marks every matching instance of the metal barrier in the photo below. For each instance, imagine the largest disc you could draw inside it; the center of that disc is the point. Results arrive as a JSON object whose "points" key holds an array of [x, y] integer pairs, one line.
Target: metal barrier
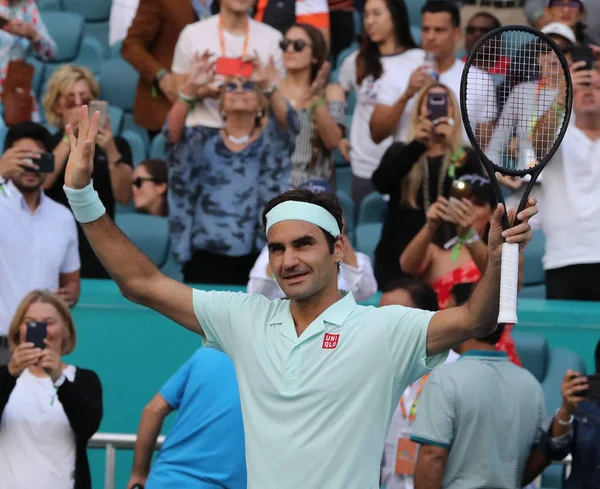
{"points": [[113, 441]]}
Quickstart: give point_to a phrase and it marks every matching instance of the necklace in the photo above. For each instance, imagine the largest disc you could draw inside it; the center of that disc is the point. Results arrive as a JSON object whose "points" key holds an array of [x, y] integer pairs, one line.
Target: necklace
{"points": [[241, 139]]}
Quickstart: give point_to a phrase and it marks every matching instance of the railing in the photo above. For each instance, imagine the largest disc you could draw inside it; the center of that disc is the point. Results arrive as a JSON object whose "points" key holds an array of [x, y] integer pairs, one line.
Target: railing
{"points": [[113, 441]]}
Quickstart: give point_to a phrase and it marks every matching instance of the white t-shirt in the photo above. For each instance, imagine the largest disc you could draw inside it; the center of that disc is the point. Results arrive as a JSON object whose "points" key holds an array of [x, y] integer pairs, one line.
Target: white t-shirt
{"points": [[122, 13], [395, 82], [203, 35], [360, 281], [571, 202], [35, 248], [37, 443], [364, 153]]}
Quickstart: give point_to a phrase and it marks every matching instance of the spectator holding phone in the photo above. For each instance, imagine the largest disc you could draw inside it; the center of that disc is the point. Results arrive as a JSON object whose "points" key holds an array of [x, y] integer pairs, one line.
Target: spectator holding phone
{"points": [[320, 107], [48, 409], [569, 12], [68, 89], [149, 184], [416, 174], [38, 237], [220, 179]]}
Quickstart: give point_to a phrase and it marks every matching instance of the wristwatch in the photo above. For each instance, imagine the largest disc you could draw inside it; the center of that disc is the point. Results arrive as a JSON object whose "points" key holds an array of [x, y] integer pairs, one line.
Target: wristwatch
{"points": [[268, 92]]}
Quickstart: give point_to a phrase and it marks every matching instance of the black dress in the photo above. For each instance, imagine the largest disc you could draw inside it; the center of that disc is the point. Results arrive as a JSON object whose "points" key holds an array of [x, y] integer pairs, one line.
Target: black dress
{"points": [[403, 222], [90, 265]]}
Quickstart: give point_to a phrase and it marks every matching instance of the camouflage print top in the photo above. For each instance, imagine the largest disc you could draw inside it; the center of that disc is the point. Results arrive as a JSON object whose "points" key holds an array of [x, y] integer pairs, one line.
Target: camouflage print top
{"points": [[216, 196]]}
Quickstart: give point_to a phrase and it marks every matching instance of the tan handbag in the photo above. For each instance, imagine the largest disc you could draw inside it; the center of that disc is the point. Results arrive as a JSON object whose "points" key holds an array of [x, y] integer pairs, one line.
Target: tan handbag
{"points": [[505, 10], [16, 95]]}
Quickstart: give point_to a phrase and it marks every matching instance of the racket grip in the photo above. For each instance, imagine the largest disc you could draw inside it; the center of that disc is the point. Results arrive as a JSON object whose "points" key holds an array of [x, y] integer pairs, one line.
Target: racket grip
{"points": [[509, 279]]}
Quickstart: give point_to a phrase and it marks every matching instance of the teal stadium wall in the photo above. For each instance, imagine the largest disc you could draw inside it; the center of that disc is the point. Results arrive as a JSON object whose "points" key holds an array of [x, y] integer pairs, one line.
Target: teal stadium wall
{"points": [[134, 351]]}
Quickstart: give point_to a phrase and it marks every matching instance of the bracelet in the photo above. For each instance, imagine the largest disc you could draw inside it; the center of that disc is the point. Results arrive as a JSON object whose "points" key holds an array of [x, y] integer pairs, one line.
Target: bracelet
{"points": [[190, 101], [85, 203], [316, 105], [561, 422], [268, 92]]}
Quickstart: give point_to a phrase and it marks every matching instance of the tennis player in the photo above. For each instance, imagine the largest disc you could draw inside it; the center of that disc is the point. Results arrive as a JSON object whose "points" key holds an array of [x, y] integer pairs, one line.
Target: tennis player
{"points": [[319, 376]]}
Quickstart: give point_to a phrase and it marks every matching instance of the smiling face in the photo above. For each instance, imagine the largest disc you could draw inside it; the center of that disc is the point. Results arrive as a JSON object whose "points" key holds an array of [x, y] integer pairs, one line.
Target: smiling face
{"points": [[57, 334], [301, 259], [29, 181], [568, 12], [240, 96]]}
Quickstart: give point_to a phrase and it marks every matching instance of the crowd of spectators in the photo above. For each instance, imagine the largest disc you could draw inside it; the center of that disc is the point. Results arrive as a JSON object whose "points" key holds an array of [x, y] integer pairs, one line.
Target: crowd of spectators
{"points": [[256, 98]]}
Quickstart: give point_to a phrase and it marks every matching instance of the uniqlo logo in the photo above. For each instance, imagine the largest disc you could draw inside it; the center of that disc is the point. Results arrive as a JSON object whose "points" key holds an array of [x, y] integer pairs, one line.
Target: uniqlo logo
{"points": [[330, 341]]}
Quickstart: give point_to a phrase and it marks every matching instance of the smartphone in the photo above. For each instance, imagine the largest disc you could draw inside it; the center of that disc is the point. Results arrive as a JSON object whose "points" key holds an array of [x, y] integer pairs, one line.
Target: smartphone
{"points": [[102, 107], [594, 390], [234, 67], [461, 190], [583, 53], [437, 105], [45, 164], [36, 333]]}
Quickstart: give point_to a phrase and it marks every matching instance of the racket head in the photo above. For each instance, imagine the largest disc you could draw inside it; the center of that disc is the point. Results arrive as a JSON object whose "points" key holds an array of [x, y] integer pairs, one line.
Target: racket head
{"points": [[538, 72]]}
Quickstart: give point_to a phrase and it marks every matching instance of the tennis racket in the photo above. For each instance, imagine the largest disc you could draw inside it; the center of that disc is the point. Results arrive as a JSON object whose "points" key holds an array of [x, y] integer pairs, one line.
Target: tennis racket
{"points": [[518, 139]]}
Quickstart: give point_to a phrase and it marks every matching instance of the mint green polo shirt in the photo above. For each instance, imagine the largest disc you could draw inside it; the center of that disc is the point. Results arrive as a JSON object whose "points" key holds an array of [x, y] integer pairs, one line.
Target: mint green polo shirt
{"points": [[317, 407]]}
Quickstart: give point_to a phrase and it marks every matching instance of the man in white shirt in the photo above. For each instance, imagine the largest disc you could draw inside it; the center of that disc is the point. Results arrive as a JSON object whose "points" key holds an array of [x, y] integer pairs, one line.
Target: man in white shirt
{"points": [[440, 26], [38, 236], [570, 197], [230, 34]]}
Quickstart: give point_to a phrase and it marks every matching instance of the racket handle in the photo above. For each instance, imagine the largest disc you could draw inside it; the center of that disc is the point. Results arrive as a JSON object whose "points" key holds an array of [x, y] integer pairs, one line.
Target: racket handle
{"points": [[509, 279]]}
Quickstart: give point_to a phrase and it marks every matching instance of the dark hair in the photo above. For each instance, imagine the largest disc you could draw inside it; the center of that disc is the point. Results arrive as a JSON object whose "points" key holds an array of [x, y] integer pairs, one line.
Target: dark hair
{"points": [[421, 293], [319, 47], [461, 293], [368, 60], [497, 24], [597, 357], [443, 6], [327, 201], [157, 170], [28, 130]]}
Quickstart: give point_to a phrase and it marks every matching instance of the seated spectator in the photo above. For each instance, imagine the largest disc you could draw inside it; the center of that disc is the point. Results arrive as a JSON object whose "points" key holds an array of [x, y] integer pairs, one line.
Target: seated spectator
{"points": [[443, 263], [49, 409], [478, 26], [25, 31], [386, 45], [220, 179], [568, 12], [68, 89], [150, 187], [415, 175], [205, 445], [355, 275], [231, 34], [400, 452], [320, 107], [482, 408], [38, 237], [570, 203]]}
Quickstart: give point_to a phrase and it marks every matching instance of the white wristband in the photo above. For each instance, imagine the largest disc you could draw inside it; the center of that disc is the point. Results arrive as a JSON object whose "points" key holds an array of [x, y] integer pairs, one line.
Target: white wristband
{"points": [[564, 423], [85, 203]]}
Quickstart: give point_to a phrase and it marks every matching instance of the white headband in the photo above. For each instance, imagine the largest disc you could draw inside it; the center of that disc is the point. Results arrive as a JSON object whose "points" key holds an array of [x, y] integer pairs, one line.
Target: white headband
{"points": [[292, 210]]}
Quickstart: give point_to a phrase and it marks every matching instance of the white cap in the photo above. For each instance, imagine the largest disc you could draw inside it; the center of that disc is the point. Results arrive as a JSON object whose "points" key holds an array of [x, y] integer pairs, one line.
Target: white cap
{"points": [[560, 29]]}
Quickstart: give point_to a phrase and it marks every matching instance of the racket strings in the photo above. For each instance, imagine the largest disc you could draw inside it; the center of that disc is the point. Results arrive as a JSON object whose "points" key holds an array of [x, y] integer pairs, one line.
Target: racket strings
{"points": [[516, 116]]}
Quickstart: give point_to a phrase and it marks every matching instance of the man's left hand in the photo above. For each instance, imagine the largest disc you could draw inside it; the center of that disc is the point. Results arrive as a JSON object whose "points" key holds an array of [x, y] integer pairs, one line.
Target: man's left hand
{"points": [[521, 233]]}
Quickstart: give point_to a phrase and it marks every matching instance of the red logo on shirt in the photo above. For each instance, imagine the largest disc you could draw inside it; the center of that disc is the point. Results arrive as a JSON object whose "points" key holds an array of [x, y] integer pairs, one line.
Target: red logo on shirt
{"points": [[330, 341]]}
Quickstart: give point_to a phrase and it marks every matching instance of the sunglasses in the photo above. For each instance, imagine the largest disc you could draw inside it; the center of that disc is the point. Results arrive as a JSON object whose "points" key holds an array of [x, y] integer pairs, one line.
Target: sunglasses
{"points": [[247, 86], [297, 44], [471, 29], [139, 181]]}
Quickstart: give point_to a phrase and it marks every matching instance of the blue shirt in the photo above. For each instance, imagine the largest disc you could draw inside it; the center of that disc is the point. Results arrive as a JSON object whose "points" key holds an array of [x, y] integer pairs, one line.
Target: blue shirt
{"points": [[205, 446], [585, 448]]}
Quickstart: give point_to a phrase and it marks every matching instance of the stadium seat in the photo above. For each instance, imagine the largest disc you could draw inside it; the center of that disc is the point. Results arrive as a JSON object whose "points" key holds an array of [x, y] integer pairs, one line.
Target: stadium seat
{"points": [[90, 55], [366, 237], [115, 115], [414, 11], [137, 145], [349, 214], [346, 52], [118, 83], [157, 148], [343, 178], [533, 270], [149, 233], [99, 31], [49, 5], [114, 51], [3, 131], [96, 14], [371, 209]]}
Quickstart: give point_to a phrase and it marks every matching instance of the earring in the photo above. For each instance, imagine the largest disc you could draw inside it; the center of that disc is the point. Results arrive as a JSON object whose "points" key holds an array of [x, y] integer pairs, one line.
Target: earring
{"points": [[260, 114], [223, 115]]}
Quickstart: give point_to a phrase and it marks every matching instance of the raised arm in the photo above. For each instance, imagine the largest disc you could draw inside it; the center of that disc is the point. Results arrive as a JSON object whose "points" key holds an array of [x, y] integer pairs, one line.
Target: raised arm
{"points": [[478, 317], [137, 277]]}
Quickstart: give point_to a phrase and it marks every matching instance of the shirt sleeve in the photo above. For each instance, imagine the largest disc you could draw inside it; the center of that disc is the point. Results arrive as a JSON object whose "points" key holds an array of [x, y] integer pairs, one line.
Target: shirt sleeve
{"points": [[405, 331], [435, 421], [313, 12], [174, 388], [71, 262], [347, 73], [45, 47], [484, 107], [361, 280], [183, 53]]}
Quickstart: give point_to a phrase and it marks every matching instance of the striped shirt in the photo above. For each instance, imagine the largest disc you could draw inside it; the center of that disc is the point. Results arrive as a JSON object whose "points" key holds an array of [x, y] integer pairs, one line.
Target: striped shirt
{"points": [[311, 160]]}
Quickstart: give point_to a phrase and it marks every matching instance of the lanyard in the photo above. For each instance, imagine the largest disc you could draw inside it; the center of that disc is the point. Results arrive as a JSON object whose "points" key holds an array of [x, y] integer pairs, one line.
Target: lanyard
{"points": [[413, 409], [222, 39], [534, 112]]}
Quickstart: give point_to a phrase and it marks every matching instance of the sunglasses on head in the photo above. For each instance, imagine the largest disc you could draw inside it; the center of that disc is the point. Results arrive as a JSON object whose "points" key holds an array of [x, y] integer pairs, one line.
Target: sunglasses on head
{"points": [[247, 86], [139, 181], [471, 29], [297, 44]]}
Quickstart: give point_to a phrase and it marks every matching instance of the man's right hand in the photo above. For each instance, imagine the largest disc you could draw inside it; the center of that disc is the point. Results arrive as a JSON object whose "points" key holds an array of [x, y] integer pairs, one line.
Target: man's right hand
{"points": [[419, 78], [136, 481], [15, 161], [24, 356], [571, 388], [168, 87]]}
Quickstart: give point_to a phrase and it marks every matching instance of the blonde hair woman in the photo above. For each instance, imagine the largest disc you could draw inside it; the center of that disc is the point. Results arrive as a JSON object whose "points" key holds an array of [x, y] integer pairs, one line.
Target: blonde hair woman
{"points": [[48, 409], [415, 174], [68, 89]]}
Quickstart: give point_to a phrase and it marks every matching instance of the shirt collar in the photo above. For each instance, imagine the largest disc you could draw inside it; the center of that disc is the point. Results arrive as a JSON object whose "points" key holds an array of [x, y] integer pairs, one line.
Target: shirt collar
{"points": [[17, 196], [485, 354]]}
